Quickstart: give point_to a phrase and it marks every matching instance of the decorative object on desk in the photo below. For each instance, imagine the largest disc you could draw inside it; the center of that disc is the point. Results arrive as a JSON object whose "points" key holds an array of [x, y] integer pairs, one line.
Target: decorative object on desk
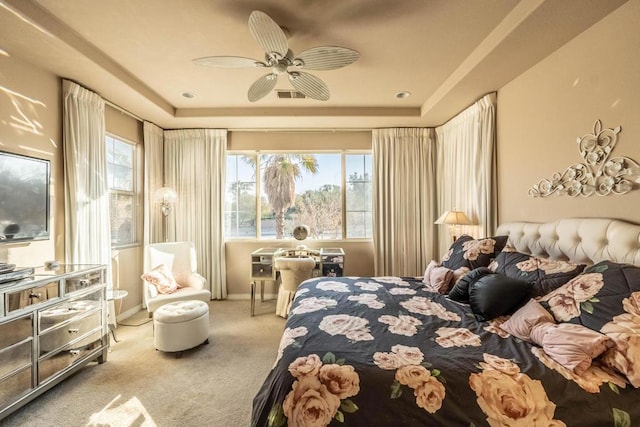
{"points": [[301, 232], [167, 197], [599, 174], [454, 219]]}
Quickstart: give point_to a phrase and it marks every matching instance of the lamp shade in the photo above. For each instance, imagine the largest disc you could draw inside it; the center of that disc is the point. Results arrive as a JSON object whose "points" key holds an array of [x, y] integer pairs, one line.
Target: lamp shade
{"points": [[454, 218], [165, 195]]}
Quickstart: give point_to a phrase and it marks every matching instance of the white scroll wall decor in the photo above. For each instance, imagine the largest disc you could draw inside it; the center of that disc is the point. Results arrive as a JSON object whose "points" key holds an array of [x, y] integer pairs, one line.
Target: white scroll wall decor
{"points": [[600, 173]]}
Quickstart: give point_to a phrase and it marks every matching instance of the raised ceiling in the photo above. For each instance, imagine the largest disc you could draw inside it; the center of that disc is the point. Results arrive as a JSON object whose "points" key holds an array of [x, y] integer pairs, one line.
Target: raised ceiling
{"points": [[447, 53]]}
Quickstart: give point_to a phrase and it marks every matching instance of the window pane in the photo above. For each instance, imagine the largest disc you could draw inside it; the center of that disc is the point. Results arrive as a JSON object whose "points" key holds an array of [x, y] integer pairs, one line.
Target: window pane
{"points": [[121, 210], [240, 198], [119, 164], [122, 196], [301, 189], [358, 195]]}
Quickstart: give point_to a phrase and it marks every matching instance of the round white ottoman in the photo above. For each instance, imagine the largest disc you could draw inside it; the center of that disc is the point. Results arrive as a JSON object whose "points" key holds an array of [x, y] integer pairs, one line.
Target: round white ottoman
{"points": [[180, 325]]}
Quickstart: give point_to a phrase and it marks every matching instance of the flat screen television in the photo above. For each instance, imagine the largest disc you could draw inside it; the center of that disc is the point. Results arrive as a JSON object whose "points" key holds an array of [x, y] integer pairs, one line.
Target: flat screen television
{"points": [[24, 198]]}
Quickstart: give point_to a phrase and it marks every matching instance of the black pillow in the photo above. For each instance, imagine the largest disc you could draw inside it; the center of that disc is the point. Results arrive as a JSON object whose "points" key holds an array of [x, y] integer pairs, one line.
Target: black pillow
{"points": [[460, 291], [494, 295], [473, 253]]}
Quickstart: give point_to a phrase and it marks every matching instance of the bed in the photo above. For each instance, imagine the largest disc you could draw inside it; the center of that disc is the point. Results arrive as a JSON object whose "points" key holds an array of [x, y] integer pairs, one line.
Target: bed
{"points": [[400, 351]]}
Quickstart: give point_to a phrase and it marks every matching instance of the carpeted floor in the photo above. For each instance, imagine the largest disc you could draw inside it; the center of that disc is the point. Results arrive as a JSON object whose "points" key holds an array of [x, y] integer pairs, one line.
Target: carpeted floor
{"points": [[211, 385]]}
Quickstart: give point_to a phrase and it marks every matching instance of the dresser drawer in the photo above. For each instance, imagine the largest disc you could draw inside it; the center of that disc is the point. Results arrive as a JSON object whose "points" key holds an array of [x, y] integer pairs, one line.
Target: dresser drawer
{"points": [[50, 365], [66, 332], [14, 331], [19, 300], [15, 357], [66, 311], [15, 386], [85, 281]]}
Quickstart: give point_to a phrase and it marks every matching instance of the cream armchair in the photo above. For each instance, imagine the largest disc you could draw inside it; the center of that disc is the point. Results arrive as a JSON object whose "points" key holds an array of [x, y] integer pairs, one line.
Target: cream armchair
{"points": [[180, 258]]}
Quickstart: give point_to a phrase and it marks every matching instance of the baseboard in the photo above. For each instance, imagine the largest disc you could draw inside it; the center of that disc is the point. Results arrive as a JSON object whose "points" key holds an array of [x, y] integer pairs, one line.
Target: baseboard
{"points": [[129, 313], [248, 296]]}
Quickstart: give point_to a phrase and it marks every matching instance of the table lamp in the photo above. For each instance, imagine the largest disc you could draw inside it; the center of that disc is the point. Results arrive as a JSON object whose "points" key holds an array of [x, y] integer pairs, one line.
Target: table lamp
{"points": [[454, 219]]}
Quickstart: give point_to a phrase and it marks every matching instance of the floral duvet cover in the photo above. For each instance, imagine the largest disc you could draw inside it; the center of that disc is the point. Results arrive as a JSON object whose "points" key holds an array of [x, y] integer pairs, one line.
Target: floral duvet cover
{"points": [[384, 351]]}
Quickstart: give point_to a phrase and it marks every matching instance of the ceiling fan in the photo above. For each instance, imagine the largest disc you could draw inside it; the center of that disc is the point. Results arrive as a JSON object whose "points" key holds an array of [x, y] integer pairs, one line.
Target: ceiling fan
{"points": [[281, 60]]}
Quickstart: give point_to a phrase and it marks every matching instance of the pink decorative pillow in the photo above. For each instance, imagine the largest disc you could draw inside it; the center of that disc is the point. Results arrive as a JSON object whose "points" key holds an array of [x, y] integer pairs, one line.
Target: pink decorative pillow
{"points": [[572, 346], [437, 278], [162, 278], [522, 321]]}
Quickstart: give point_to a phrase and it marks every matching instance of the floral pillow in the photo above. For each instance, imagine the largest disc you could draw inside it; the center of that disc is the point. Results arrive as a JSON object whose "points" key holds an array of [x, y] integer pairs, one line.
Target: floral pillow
{"points": [[545, 273], [473, 253], [162, 278], [605, 298], [440, 279]]}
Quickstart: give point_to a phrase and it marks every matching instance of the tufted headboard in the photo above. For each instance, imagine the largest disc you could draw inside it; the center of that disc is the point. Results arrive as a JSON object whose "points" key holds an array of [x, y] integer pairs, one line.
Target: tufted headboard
{"points": [[579, 240]]}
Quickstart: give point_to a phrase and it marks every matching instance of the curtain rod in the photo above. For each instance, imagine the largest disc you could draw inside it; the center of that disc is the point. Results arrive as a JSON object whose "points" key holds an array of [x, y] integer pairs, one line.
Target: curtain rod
{"points": [[122, 110], [293, 130]]}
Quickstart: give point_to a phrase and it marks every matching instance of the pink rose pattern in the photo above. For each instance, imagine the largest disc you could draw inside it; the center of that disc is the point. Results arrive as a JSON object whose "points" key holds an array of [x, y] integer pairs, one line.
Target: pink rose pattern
{"points": [[510, 398], [319, 391], [565, 302], [408, 362]]}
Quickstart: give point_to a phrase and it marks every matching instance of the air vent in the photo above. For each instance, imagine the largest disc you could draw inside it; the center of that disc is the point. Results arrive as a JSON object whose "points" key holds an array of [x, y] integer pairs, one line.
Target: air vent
{"points": [[289, 94]]}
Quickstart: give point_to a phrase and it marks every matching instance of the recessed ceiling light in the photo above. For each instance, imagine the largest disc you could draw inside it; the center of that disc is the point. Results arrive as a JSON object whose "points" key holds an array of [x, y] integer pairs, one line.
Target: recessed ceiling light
{"points": [[403, 94], [189, 95]]}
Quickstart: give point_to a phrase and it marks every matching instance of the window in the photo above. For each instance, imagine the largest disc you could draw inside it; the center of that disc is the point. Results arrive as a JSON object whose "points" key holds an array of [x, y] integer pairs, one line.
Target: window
{"points": [[122, 194], [268, 194]]}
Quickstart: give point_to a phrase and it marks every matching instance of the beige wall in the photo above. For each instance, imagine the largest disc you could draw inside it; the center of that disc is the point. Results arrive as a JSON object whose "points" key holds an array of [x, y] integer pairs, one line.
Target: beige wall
{"points": [[358, 254], [30, 124], [542, 112], [129, 267]]}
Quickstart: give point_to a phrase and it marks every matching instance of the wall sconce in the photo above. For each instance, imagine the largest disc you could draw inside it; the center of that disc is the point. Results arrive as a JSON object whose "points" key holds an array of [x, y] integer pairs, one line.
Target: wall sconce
{"points": [[167, 197], [453, 219]]}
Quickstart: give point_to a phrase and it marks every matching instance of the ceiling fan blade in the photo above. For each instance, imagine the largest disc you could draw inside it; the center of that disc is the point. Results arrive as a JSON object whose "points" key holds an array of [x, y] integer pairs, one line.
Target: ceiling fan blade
{"points": [[268, 34], [310, 85], [327, 57], [262, 86], [229, 62]]}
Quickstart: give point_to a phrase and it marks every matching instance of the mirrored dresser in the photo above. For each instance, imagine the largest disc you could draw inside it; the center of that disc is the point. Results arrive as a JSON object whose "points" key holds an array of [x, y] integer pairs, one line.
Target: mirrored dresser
{"points": [[52, 323]]}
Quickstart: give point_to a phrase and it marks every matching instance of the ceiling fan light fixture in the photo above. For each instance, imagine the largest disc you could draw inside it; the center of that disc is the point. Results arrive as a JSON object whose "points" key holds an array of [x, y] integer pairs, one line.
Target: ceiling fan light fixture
{"points": [[273, 40]]}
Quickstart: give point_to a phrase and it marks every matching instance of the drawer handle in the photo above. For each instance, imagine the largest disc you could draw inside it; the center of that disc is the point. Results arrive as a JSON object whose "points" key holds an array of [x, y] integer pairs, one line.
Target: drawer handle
{"points": [[74, 352], [35, 295], [74, 331], [84, 282]]}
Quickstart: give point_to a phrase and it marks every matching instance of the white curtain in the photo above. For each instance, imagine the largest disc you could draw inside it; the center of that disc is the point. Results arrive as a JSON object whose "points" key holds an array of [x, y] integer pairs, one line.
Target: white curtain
{"points": [[466, 169], [86, 195], [153, 179], [195, 166], [403, 200]]}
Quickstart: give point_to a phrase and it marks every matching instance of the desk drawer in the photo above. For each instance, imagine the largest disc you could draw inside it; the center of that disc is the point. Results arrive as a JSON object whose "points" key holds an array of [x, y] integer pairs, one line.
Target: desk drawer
{"points": [[14, 386], [69, 355], [262, 271]]}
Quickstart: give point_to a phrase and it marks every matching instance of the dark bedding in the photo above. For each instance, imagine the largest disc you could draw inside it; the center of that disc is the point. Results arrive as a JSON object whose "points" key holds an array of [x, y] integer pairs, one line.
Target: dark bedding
{"points": [[386, 352]]}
